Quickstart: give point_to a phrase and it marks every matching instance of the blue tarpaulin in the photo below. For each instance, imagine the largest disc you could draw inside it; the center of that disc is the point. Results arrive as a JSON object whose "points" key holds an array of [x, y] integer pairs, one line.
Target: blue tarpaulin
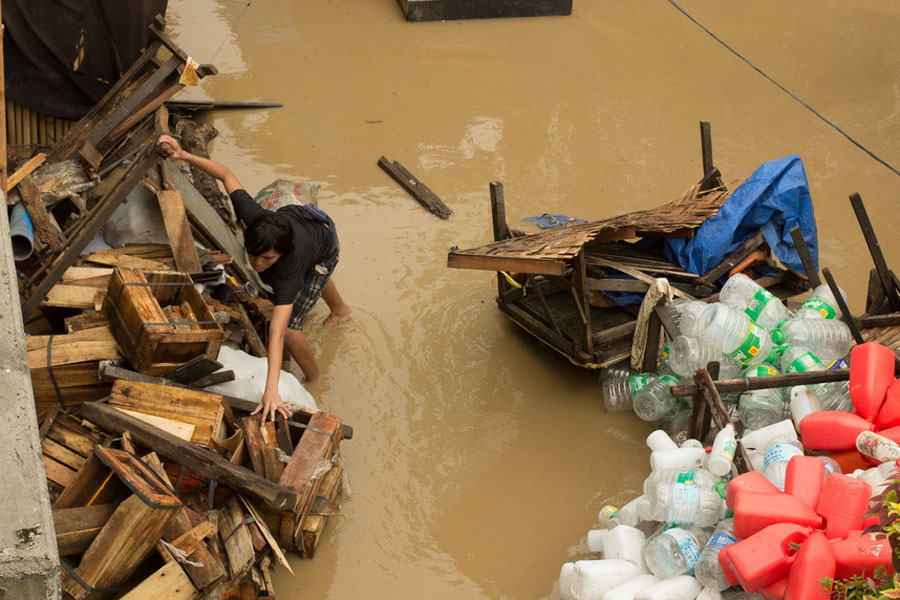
{"points": [[774, 200]]}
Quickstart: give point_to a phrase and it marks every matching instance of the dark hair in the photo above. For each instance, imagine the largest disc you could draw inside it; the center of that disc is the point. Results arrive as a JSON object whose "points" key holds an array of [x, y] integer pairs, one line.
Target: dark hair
{"points": [[269, 231]]}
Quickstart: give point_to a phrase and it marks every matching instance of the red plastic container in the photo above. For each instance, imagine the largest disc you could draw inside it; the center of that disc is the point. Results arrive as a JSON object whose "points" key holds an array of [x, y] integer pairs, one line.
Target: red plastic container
{"points": [[832, 430], [763, 558], [860, 554], [871, 373], [751, 480], [889, 415], [814, 560], [775, 591], [804, 479], [842, 503], [754, 511]]}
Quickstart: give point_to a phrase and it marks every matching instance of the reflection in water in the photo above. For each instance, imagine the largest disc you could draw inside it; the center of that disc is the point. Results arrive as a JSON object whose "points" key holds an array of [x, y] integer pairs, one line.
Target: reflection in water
{"points": [[481, 458]]}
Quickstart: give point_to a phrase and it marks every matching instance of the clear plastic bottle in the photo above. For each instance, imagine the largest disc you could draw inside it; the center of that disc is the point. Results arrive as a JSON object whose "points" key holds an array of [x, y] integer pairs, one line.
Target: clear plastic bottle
{"points": [[723, 448], [707, 570], [735, 334], [778, 453], [837, 397], [620, 386], [689, 353], [674, 551], [686, 504], [679, 423], [797, 359], [699, 477], [653, 401], [688, 315], [821, 304], [829, 339], [743, 294], [758, 408]]}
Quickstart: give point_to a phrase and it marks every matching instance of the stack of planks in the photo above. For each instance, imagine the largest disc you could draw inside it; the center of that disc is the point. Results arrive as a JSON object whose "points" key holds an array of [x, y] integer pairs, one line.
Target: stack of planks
{"points": [[167, 491]]}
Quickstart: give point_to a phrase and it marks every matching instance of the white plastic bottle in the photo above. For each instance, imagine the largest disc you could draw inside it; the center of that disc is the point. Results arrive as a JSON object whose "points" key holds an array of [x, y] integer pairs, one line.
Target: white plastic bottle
{"points": [[660, 440], [797, 359], [707, 570], [619, 388], [721, 456], [626, 543], [743, 294], [652, 402], [687, 354], [608, 516], [565, 581], [595, 539], [829, 339], [778, 453], [756, 441], [702, 478], [686, 504], [628, 514], [592, 578], [675, 551], [627, 590], [802, 404], [821, 304], [735, 334], [683, 587], [682, 458]]}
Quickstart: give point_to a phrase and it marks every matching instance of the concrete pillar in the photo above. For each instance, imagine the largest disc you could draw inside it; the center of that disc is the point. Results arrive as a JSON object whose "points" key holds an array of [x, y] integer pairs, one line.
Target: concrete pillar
{"points": [[29, 561]]}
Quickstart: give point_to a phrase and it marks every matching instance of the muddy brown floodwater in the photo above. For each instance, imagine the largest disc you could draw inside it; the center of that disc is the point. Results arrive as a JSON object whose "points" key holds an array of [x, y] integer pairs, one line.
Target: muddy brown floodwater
{"points": [[481, 458]]}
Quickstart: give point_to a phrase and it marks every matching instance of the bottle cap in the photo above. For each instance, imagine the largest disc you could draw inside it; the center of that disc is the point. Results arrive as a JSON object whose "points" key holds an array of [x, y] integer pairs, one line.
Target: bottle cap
{"points": [[708, 449], [778, 336]]}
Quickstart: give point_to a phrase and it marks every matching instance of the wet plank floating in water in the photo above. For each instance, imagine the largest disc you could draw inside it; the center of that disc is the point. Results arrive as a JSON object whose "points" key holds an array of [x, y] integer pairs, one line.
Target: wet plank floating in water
{"points": [[416, 188]]}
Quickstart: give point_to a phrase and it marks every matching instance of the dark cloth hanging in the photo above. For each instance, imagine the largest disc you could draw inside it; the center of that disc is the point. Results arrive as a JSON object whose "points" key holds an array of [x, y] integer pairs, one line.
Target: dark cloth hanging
{"points": [[61, 56]]}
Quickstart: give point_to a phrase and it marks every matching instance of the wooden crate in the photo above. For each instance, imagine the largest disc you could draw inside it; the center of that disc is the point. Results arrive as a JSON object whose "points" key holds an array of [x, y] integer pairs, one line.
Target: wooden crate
{"points": [[134, 307]]}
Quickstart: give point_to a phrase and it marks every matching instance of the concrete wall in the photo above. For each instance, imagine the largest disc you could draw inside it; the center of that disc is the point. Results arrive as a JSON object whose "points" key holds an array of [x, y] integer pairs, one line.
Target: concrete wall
{"points": [[29, 563]]}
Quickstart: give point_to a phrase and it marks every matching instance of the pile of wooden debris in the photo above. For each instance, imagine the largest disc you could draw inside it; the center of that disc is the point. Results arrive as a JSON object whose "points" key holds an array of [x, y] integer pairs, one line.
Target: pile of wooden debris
{"points": [[159, 488]]}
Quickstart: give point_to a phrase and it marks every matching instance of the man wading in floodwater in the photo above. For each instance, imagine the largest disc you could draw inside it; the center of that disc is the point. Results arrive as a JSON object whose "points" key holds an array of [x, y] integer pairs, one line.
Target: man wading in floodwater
{"points": [[295, 250]]}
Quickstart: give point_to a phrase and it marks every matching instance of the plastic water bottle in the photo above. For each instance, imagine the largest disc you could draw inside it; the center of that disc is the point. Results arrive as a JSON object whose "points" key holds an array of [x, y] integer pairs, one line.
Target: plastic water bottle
{"points": [[619, 388], [707, 570], [779, 451], [689, 353], [681, 458], [743, 294], [829, 339], [759, 408], [683, 587], [660, 440], [821, 304], [797, 359], [679, 423], [721, 456], [837, 397], [699, 477], [675, 551], [735, 334], [756, 441], [802, 403], [686, 315], [686, 504], [654, 400]]}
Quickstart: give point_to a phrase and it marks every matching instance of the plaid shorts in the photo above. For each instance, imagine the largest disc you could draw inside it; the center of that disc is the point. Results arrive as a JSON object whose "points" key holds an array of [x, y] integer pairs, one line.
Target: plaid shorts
{"points": [[312, 285]]}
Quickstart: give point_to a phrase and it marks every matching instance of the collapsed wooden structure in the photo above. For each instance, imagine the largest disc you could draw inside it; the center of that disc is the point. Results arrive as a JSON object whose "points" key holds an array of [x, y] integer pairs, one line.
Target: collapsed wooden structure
{"points": [[159, 487], [551, 283]]}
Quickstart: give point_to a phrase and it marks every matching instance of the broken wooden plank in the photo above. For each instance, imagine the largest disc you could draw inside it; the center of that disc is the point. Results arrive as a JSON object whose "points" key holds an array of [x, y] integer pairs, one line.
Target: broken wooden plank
{"points": [[874, 246], [415, 188], [203, 461], [77, 527], [179, 231], [236, 537], [314, 524], [169, 582], [729, 262], [24, 170]]}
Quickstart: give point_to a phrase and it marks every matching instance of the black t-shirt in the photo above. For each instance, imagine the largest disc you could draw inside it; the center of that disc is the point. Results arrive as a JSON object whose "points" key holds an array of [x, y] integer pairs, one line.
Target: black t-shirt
{"points": [[312, 243]]}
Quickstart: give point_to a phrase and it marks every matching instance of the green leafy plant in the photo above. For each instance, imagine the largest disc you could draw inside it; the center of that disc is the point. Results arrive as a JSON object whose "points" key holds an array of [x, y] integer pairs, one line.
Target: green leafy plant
{"points": [[878, 587]]}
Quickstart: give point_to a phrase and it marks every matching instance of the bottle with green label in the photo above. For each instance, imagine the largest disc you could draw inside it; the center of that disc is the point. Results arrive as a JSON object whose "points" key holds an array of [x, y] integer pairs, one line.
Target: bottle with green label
{"points": [[735, 334], [698, 476], [620, 386], [797, 359], [689, 353], [829, 339], [821, 304], [759, 408], [743, 294]]}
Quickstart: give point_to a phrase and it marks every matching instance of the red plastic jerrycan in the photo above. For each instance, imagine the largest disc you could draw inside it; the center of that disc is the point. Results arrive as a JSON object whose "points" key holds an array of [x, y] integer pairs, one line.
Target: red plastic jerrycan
{"points": [[754, 511], [832, 430], [804, 479], [814, 560], [842, 503], [889, 415], [763, 558], [860, 554], [751, 480], [775, 591], [871, 373]]}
